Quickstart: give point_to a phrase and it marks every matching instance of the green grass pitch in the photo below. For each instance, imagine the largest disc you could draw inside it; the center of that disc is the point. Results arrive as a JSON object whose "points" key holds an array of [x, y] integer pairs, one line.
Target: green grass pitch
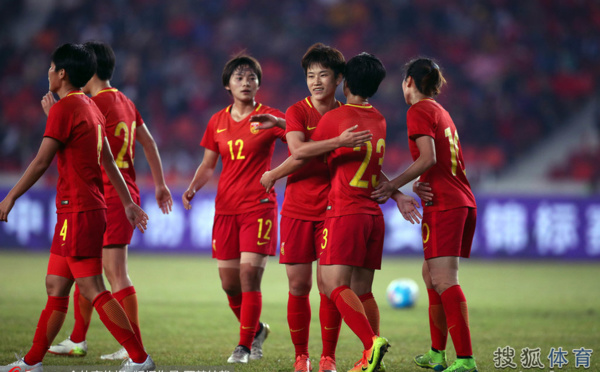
{"points": [[185, 319]]}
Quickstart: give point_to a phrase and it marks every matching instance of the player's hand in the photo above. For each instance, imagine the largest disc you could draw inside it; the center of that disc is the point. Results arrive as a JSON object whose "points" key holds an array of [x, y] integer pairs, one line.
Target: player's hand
{"points": [[408, 207], [137, 217], [164, 199], [267, 181], [187, 197], [47, 102], [349, 138], [265, 121], [383, 192], [423, 191], [5, 207]]}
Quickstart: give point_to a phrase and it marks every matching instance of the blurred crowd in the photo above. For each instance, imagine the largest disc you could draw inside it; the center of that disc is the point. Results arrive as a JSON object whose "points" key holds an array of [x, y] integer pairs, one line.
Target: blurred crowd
{"points": [[516, 69]]}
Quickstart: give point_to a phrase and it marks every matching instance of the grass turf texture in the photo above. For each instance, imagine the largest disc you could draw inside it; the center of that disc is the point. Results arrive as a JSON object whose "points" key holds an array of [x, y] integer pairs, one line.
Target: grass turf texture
{"points": [[185, 319]]}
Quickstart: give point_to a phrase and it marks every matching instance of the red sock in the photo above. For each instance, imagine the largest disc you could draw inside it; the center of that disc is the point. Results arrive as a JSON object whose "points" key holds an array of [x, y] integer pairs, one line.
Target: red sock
{"points": [[250, 314], [128, 301], [353, 313], [298, 316], [114, 318], [83, 314], [331, 321], [51, 320], [457, 317], [437, 321], [371, 310], [235, 303]]}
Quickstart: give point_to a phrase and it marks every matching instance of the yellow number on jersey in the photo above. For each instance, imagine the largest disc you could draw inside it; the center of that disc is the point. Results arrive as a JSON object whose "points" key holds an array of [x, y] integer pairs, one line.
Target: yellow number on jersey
{"points": [[453, 139], [357, 180], [268, 224], [128, 143], [324, 244], [239, 143], [63, 231]]}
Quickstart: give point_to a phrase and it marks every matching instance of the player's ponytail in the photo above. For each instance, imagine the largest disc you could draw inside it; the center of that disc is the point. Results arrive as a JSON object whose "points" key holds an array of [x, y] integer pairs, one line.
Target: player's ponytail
{"points": [[426, 74]]}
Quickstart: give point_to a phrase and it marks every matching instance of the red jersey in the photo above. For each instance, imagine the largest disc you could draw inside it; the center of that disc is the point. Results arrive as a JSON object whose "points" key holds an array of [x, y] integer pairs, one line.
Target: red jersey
{"points": [[447, 177], [246, 154], [307, 189], [354, 172], [76, 122], [122, 118]]}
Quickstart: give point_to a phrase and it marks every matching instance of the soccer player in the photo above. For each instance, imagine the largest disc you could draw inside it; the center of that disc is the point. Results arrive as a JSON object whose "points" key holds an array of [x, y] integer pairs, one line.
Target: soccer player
{"points": [[354, 228], [449, 217], [305, 202], [75, 131], [245, 223], [123, 126]]}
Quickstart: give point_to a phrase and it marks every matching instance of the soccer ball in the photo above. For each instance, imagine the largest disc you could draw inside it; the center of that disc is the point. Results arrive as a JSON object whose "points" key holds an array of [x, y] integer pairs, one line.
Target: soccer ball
{"points": [[402, 293]]}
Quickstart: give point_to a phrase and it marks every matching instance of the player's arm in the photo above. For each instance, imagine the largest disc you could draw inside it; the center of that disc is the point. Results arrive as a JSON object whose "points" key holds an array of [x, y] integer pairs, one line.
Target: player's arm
{"points": [[136, 215], [305, 150], [162, 192], [289, 166], [32, 174], [426, 160], [268, 121], [201, 177]]}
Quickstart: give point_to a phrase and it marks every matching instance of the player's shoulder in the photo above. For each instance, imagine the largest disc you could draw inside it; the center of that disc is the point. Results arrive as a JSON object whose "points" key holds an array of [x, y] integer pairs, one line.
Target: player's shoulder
{"points": [[264, 109]]}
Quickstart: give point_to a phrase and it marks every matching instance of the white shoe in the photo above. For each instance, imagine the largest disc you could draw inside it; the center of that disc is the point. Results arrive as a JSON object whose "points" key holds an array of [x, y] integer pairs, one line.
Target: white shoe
{"points": [[130, 366], [256, 351], [70, 348], [239, 355], [117, 355], [21, 366]]}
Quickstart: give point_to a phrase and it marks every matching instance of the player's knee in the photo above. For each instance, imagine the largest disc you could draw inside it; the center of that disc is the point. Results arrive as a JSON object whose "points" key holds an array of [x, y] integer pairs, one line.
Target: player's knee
{"points": [[300, 287]]}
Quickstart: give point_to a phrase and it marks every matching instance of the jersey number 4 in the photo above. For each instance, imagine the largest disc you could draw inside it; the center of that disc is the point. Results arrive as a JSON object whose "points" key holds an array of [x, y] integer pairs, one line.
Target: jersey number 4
{"points": [[357, 180]]}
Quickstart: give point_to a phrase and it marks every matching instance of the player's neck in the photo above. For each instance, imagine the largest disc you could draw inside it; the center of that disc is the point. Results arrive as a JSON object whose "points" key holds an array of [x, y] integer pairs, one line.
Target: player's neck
{"points": [[417, 97], [98, 85], [241, 109], [65, 89], [325, 105], [351, 99]]}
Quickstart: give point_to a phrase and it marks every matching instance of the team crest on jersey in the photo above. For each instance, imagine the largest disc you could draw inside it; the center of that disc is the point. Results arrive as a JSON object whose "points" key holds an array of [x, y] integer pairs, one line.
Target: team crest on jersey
{"points": [[254, 127]]}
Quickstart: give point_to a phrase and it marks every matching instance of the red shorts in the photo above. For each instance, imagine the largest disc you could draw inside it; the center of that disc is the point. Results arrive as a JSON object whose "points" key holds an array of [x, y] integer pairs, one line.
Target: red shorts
{"points": [[74, 267], [448, 233], [354, 240], [79, 234], [300, 240], [247, 232], [118, 229]]}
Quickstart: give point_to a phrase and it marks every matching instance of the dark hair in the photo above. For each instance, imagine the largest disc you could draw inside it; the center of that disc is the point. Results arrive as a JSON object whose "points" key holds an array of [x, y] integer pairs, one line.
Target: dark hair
{"points": [[426, 74], [326, 56], [239, 61], [364, 73], [105, 58], [78, 62]]}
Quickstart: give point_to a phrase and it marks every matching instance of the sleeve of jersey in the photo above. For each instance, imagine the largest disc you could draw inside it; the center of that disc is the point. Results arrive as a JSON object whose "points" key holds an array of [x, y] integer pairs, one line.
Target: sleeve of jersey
{"points": [[294, 120], [138, 118], [418, 123], [58, 125], [208, 141], [326, 129]]}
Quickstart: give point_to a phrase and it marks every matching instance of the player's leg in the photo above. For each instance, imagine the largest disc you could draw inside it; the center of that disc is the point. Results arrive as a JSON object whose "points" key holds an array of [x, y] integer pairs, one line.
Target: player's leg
{"points": [[252, 267], [443, 271], [298, 253], [58, 285], [299, 312], [331, 321], [76, 344], [435, 358]]}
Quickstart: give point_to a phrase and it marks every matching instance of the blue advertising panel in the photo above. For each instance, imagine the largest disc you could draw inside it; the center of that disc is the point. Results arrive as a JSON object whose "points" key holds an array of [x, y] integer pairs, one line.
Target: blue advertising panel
{"points": [[507, 227]]}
